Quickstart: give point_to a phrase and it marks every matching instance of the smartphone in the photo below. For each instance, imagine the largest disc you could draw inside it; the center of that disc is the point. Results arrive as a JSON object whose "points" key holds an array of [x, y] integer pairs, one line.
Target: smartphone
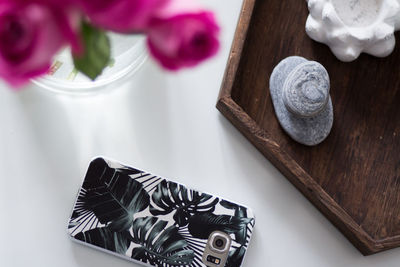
{"points": [[154, 221]]}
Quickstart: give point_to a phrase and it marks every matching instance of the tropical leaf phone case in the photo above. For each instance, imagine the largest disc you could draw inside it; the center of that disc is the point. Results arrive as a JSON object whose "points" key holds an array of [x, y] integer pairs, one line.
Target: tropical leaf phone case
{"points": [[153, 221]]}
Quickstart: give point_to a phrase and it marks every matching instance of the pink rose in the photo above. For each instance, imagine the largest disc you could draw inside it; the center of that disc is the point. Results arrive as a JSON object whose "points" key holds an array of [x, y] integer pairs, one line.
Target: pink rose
{"points": [[31, 34], [121, 15], [182, 35]]}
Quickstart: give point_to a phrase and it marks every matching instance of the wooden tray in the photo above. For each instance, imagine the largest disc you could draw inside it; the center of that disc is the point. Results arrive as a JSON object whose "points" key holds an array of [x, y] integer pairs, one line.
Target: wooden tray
{"points": [[354, 176]]}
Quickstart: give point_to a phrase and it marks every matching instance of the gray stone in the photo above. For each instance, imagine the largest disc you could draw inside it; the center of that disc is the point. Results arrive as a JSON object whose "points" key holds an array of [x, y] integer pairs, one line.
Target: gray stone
{"points": [[300, 94]]}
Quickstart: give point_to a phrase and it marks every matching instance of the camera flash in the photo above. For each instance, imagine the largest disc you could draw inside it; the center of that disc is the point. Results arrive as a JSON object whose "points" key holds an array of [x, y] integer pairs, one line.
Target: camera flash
{"points": [[213, 259]]}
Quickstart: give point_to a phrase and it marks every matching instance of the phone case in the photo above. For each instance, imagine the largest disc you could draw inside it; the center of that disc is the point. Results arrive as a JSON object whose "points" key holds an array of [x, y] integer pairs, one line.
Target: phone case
{"points": [[153, 221]]}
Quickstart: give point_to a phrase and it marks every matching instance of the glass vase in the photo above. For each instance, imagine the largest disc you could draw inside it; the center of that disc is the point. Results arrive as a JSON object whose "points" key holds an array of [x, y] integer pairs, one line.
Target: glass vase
{"points": [[128, 53]]}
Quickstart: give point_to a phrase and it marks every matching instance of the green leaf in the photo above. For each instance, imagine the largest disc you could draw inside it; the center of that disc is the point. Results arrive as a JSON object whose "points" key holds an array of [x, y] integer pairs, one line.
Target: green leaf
{"points": [[159, 246], [171, 197], [97, 51]]}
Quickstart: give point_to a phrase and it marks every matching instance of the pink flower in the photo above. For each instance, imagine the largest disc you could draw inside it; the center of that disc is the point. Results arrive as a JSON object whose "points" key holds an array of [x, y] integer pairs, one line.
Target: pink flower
{"points": [[182, 35], [31, 33], [121, 15]]}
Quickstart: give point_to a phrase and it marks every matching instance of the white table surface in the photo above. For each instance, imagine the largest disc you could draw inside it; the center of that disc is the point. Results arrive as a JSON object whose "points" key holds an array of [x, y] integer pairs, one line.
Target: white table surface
{"points": [[164, 123]]}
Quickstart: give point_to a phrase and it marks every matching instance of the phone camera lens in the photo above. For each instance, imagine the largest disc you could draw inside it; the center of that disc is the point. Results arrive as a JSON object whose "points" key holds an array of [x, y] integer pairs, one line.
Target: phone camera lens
{"points": [[219, 243]]}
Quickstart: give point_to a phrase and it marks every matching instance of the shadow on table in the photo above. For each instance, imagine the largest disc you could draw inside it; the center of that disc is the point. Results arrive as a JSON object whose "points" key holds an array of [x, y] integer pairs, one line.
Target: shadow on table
{"points": [[70, 130], [53, 145]]}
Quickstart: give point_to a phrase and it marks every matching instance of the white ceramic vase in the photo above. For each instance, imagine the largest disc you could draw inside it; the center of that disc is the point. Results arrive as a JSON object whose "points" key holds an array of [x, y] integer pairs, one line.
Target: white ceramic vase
{"points": [[351, 27]]}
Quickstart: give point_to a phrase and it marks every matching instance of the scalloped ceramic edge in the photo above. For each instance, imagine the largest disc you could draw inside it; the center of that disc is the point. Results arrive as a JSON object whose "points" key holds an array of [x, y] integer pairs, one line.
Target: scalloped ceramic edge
{"points": [[347, 42]]}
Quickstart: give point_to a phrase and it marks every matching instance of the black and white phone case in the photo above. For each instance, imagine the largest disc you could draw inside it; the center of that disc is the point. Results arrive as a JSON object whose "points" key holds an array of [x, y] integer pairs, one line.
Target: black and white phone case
{"points": [[154, 221]]}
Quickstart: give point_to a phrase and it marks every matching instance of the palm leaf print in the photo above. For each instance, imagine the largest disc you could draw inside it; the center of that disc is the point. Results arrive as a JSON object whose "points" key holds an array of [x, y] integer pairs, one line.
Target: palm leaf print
{"points": [[172, 197], [197, 245], [159, 245], [235, 257], [243, 235], [150, 220], [202, 225], [109, 197], [105, 238]]}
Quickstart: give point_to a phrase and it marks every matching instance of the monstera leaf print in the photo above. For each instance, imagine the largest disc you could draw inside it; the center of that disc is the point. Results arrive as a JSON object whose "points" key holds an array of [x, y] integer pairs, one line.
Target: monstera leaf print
{"points": [[235, 257], [114, 200], [109, 196], [105, 238], [197, 245], [171, 197], [159, 246], [202, 225], [240, 211]]}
